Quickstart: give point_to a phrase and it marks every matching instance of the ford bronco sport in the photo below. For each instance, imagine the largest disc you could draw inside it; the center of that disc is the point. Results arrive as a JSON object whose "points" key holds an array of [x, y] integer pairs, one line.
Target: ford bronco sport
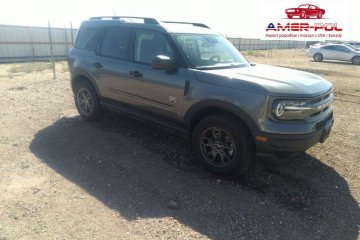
{"points": [[189, 78]]}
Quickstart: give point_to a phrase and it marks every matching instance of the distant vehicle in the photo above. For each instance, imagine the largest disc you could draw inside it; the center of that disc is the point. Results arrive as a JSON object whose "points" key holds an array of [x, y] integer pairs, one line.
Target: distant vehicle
{"points": [[354, 44], [305, 11], [311, 43], [341, 52], [352, 47]]}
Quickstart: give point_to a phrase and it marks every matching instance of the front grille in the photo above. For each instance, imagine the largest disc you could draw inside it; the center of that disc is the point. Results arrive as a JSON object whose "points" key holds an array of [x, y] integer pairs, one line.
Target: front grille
{"points": [[320, 104]]}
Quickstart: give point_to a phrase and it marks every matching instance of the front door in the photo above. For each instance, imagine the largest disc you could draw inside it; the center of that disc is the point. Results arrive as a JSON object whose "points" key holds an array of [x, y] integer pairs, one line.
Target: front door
{"points": [[156, 91], [342, 53]]}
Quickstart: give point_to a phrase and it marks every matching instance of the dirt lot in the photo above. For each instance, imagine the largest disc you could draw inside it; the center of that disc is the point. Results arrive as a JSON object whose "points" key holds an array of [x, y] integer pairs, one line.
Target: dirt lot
{"points": [[63, 178]]}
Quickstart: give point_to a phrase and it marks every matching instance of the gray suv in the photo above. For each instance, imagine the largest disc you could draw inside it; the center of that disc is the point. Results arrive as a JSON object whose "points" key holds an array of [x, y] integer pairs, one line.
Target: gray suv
{"points": [[190, 79]]}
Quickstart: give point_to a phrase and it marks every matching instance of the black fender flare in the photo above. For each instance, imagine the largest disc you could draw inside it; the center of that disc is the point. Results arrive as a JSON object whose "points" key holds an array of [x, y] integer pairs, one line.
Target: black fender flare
{"points": [[81, 73], [222, 105]]}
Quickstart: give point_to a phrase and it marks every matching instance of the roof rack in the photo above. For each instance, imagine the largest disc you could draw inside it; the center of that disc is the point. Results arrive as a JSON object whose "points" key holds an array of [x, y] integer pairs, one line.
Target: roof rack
{"points": [[191, 23], [146, 19]]}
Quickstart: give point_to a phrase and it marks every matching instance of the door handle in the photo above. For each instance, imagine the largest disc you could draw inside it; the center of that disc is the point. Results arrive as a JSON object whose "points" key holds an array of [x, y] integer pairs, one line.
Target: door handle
{"points": [[135, 73], [97, 65]]}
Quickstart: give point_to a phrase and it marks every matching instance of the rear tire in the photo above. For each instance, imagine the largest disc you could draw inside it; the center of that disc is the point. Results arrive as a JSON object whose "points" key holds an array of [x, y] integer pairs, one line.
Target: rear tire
{"points": [[87, 101], [223, 145], [356, 60], [289, 16], [318, 57]]}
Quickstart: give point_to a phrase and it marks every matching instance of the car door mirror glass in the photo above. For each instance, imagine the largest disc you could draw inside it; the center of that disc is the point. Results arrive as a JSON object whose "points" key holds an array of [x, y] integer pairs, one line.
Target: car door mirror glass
{"points": [[162, 62]]}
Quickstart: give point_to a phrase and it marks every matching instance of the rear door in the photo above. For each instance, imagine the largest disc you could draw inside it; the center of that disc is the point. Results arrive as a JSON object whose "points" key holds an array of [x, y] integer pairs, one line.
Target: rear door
{"points": [[328, 52], [112, 62]]}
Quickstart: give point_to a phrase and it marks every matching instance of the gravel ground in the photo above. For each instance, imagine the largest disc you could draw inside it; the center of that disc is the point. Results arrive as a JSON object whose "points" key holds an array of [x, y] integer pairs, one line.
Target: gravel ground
{"points": [[63, 178]]}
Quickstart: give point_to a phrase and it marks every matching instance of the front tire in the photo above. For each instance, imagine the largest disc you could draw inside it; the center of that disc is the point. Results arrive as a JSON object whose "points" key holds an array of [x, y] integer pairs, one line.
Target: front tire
{"points": [[223, 145], [87, 101], [303, 15], [318, 57], [319, 15], [356, 60]]}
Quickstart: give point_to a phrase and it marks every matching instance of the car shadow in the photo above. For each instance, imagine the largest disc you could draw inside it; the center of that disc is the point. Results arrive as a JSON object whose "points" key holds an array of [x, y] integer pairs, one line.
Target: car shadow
{"points": [[137, 170]]}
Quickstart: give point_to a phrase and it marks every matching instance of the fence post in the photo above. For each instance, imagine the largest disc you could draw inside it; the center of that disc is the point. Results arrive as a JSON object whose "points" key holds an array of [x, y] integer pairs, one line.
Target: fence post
{"points": [[72, 35], [66, 41], [32, 44], [51, 51]]}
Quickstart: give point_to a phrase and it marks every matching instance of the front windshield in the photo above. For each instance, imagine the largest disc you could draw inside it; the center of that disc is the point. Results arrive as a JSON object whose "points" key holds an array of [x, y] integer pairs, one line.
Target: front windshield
{"points": [[209, 51], [303, 6], [351, 46]]}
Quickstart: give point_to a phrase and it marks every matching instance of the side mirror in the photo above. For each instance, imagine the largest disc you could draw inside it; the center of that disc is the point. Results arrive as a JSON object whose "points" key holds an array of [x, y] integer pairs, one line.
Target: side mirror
{"points": [[161, 62]]}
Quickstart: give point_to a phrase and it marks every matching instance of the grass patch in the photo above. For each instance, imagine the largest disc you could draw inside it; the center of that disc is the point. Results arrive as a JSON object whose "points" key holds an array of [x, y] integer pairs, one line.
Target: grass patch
{"points": [[64, 67], [29, 67], [254, 53]]}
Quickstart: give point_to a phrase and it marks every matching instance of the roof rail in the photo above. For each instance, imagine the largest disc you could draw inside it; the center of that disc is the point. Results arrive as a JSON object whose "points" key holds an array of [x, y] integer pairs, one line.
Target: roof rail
{"points": [[146, 19], [192, 23]]}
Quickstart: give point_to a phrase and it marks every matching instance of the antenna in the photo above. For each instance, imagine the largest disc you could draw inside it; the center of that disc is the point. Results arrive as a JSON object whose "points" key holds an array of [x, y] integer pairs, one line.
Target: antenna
{"points": [[114, 12]]}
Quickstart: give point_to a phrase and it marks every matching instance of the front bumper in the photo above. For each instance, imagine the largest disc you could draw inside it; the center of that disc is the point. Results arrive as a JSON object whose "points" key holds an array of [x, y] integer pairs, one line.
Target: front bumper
{"points": [[290, 143]]}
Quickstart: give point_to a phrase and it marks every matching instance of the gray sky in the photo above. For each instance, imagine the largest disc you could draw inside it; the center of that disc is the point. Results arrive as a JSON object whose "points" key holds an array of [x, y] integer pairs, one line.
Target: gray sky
{"points": [[231, 18]]}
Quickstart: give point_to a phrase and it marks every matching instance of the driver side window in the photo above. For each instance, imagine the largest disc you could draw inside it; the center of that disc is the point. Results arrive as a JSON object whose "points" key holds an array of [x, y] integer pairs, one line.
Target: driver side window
{"points": [[149, 44]]}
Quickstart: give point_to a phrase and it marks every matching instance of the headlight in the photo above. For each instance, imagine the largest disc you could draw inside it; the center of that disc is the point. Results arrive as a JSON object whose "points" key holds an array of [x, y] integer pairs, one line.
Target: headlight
{"points": [[291, 110]]}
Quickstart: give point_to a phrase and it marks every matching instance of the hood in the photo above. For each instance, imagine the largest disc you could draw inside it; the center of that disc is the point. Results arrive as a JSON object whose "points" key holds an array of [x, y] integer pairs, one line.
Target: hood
{"points": [[267, 80]]}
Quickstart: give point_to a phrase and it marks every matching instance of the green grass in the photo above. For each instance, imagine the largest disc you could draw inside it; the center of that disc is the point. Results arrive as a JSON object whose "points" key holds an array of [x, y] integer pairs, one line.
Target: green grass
{"points": [[29, 67], [254, 53]]}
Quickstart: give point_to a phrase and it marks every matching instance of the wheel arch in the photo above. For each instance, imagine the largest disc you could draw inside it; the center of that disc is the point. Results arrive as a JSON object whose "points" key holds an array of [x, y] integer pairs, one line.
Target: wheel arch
{"points": [[211, 107], [83, 76]]}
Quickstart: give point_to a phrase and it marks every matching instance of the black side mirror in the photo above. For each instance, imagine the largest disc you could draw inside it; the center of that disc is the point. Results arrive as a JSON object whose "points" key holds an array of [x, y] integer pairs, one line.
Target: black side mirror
{"points": [[161, 62]]}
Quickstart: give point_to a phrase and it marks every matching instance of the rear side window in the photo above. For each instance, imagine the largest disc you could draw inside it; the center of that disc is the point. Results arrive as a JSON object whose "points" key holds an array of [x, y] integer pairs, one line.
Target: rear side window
{"points": [[116, 43], [88, 38]]}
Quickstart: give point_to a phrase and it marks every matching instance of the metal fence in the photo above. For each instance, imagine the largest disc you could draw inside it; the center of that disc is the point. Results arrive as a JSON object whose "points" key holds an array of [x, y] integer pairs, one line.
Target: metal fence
{"points": [[243, 44], [21, 43]]}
